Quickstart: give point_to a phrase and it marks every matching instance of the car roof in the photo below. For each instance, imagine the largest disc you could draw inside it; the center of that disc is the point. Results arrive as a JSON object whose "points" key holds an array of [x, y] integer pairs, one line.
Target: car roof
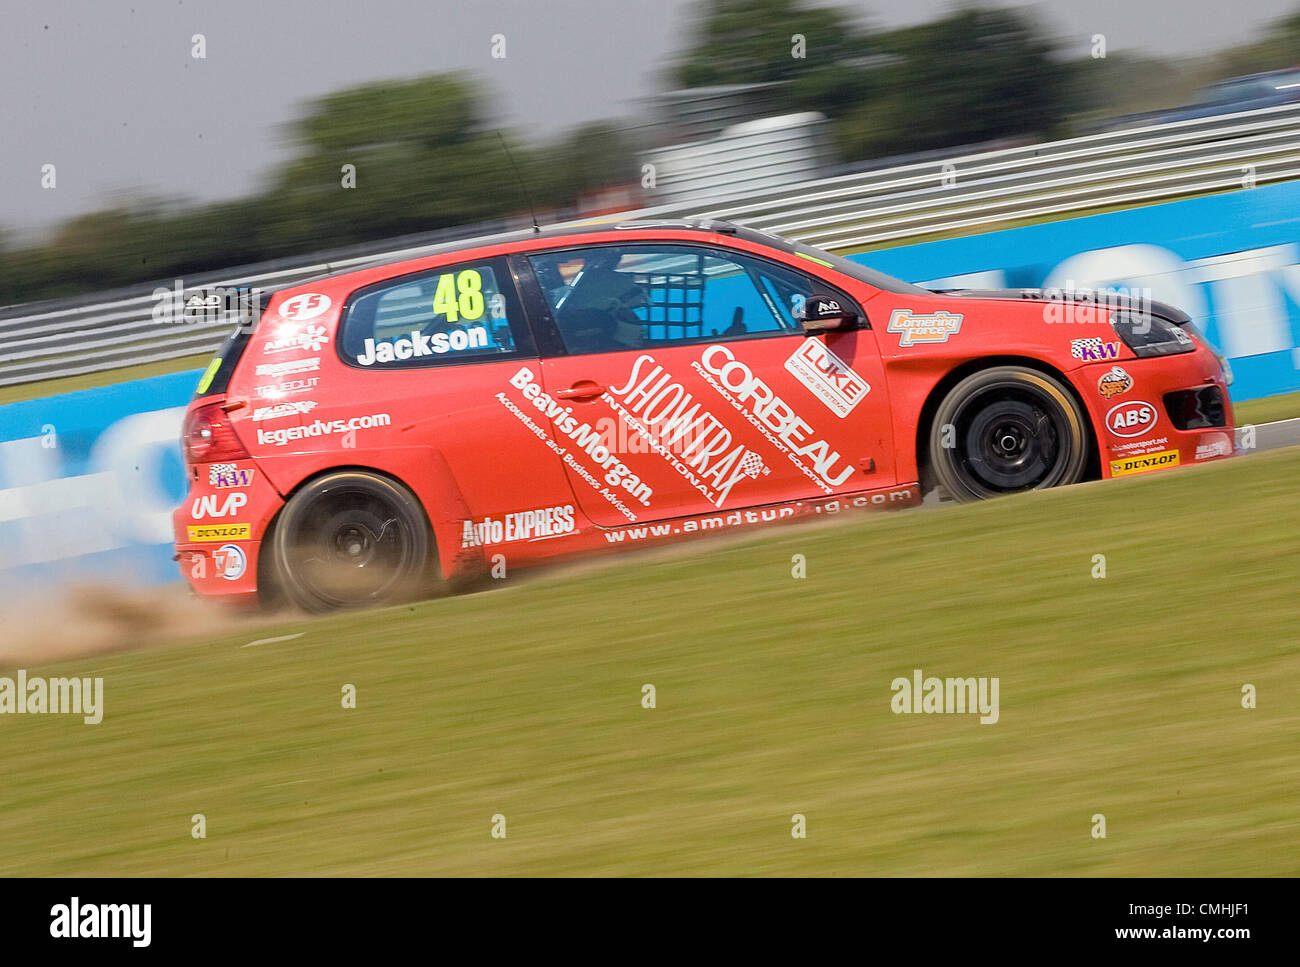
{"points": [[553, 233]]}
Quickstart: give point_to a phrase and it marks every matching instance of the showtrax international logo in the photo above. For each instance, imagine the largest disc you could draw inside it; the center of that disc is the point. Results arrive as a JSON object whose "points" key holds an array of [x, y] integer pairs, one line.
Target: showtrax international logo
{"points": [[918, 330]]}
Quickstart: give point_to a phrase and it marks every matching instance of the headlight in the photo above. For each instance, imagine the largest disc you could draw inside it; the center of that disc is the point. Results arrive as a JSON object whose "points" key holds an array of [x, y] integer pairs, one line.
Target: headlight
{"points": [[1149, 335]]}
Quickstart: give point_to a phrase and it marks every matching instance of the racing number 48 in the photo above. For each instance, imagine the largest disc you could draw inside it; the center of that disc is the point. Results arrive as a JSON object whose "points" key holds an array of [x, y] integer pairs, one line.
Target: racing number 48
{"points": [[459, 296]]}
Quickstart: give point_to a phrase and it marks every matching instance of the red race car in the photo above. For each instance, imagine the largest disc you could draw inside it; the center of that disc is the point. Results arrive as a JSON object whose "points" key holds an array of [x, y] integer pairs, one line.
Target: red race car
{"points": [[514, 400]]}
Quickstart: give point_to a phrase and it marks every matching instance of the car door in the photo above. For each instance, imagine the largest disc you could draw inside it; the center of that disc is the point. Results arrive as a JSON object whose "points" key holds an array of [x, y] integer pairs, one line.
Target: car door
{"points": [[686, 385], [437, 350]]}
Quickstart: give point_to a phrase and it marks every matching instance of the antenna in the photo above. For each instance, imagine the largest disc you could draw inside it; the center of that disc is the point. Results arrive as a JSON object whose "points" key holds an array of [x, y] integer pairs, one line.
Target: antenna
{"points": [[522, 184]]}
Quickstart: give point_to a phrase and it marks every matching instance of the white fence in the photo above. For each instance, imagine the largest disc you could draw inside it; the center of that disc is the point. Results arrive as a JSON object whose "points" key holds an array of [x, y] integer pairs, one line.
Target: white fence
{"points": [[953, 194]]}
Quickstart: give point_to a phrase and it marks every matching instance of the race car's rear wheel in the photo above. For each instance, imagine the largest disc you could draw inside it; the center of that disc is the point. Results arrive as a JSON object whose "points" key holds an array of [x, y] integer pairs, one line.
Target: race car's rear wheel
{"points": [[1005, 430], [349, 540]]}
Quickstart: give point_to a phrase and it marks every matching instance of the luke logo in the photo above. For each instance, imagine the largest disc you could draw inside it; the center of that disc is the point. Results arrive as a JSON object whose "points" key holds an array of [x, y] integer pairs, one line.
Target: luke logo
{"points": [[917, 330], [1113, 382], [828, 377]]}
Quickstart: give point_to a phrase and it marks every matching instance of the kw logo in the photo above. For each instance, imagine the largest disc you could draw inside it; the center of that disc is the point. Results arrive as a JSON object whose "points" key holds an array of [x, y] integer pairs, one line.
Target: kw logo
{"points": [[213, 506]]}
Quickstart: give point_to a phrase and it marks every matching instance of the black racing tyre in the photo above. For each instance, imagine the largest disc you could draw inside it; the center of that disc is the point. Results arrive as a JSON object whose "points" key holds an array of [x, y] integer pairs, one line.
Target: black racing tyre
{"points": [[350, 540], [1005, 430]]}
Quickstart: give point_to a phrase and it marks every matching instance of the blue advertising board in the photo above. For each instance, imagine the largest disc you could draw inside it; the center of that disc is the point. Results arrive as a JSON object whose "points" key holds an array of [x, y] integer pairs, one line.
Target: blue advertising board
{"points": [[1230, 261]]}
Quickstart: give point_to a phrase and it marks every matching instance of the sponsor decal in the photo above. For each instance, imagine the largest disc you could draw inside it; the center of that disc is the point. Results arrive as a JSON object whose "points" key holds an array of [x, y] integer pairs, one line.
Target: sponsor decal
{"points": [[293, 408], [226, 475], [1180, 334], [280, 437], [919, 330], [230, 561], [1141, 464], [1114, 382], [589, 440], [291, 387], [1140, 446], [827, 377], [1093, 349], [309, 305], [306, 338], [211, 505], [1131, 419], [458, 340], [219, 532], [523, 525], [290, 368], [1208, 451], [773, 417], [654, 403]]}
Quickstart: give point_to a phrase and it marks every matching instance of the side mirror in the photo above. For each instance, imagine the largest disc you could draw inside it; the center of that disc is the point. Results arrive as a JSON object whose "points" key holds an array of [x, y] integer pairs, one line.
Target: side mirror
{"points": [[824, 314]]}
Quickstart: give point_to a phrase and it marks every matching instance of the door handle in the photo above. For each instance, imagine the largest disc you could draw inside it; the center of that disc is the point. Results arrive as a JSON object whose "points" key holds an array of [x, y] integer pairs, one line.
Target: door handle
{"points": [[583, 389]]}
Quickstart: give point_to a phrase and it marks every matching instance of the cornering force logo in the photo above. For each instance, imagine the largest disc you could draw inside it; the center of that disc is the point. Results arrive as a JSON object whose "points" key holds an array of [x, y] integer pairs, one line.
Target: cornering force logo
{"points": [[104, 921]]}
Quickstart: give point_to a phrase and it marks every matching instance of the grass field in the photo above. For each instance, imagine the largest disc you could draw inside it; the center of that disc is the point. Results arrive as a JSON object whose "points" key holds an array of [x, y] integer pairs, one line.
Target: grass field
{"points": [[1119, 696]]}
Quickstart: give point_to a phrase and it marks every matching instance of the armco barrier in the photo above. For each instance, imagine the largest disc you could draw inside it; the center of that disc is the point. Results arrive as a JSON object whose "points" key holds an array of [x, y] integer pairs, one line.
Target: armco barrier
{"points": [[88, 479]]}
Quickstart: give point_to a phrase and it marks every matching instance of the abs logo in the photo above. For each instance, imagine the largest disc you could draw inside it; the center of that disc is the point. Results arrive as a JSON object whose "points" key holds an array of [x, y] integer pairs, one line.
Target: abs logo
{"points": [[230, 561], [1131, 419]]}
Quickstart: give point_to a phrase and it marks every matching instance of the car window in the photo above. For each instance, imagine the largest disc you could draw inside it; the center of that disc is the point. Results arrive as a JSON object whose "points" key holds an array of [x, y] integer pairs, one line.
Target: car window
{"points": [[609, 298], [451, 314]]}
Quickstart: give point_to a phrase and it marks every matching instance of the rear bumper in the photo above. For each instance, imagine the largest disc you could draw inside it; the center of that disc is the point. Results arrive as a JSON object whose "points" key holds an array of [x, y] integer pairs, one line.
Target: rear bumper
{"points": [[219, 529]]}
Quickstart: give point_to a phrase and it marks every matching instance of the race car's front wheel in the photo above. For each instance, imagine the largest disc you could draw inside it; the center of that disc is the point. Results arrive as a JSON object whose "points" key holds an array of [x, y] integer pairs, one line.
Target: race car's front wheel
{"points": [[351, 539], [1005, 430]]}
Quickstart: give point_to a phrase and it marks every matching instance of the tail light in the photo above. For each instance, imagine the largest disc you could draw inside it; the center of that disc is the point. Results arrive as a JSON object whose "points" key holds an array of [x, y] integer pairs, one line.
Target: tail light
{"points": [[209, 437]]}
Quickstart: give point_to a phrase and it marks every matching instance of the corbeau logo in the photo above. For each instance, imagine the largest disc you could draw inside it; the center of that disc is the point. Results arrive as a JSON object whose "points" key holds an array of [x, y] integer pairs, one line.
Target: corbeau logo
{"points": [[916, 330], [828, 377], [1114, 382], [1131, 419], [1149, 461], [211, 505]]}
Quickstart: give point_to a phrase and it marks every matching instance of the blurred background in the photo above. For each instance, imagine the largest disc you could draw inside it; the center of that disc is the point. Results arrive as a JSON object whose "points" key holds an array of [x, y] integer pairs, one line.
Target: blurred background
{"points": [[189, 137]]}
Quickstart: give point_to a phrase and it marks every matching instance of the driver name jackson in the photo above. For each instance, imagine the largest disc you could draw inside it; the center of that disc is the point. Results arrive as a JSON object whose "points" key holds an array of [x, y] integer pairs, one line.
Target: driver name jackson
{"points": [[458, 340]]}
